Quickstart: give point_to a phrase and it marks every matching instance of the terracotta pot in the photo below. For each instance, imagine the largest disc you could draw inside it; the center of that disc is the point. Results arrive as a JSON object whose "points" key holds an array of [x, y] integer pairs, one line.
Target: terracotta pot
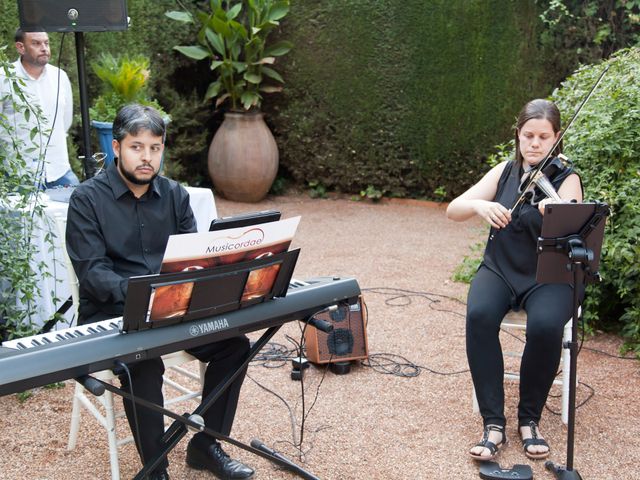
{"points": [[243, 157]]}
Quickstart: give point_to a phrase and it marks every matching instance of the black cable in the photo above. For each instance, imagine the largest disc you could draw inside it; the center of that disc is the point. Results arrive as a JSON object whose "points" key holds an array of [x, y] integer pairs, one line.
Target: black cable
{"points": [[388, 364], [124, 366], [280, 354], [286, 404], [404, 296]]}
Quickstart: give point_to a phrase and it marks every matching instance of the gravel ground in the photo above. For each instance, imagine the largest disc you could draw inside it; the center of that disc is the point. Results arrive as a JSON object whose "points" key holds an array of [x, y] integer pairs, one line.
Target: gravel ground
{"points": [[417, 424]]}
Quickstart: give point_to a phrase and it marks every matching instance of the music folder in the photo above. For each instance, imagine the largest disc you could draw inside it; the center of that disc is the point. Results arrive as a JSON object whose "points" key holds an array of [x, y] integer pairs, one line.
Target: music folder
{"points": [[210, 273], [562, 221]]}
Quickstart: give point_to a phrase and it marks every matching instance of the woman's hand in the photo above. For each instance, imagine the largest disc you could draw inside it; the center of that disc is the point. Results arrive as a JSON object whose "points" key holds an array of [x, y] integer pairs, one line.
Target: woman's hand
{"points": [[494, 213], [543, 203]]}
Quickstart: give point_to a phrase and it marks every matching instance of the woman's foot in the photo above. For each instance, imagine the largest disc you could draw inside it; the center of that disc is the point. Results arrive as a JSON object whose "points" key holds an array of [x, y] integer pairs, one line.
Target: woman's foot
{"points": [[534, 445], [493, 437]]}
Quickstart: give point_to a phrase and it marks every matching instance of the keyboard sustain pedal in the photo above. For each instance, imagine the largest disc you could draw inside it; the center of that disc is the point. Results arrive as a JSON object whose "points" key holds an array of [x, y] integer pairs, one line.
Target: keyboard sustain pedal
{"points": [[493, 471]]}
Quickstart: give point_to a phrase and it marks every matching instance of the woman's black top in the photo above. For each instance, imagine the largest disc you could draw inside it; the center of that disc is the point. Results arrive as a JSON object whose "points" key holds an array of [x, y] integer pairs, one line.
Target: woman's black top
{"points": [[511, 251]]}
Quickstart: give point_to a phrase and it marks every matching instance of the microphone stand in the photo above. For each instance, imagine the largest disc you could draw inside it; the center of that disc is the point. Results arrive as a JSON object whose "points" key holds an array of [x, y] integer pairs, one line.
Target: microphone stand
{"points": [[87, 164], [580, 259]]}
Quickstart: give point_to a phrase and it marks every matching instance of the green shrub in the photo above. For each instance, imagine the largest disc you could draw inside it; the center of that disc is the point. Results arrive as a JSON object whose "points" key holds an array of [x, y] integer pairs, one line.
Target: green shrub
{"points": [[403, 97], [605, 146]]}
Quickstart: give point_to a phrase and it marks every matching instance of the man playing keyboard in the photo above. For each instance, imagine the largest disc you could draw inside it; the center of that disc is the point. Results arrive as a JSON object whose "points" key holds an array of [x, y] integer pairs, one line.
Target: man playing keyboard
{"points": [[117, 227]]}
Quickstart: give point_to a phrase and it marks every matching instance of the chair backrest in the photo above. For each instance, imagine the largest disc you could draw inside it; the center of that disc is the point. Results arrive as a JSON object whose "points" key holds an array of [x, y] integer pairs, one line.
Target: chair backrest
{"points": [[72, 279]]}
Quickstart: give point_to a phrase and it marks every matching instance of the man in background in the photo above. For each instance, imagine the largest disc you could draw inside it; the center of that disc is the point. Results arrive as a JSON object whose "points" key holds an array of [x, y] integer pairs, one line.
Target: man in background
{"points": [[46, 88]]}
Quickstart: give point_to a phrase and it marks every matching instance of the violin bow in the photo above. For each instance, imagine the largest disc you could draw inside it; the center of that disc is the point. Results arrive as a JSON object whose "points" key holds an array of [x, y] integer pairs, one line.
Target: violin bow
{"points": [[542, 164]]}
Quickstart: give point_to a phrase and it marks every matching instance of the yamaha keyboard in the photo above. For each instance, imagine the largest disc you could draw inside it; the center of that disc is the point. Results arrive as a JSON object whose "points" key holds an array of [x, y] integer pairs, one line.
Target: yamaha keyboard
{"points": [[63, 354]]}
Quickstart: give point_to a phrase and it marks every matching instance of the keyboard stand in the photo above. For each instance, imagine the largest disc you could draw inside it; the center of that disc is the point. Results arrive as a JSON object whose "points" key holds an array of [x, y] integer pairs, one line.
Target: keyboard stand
{"points": [[178, 428]]}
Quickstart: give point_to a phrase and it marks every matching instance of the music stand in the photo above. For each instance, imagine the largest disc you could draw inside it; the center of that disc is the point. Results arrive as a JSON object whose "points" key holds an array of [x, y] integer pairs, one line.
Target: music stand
{"points": [[139, 291], [569, 252]]}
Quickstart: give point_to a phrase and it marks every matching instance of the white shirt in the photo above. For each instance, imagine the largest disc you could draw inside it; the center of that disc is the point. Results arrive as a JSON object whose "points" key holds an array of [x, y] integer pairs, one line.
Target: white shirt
{"points": [[43, 92]]}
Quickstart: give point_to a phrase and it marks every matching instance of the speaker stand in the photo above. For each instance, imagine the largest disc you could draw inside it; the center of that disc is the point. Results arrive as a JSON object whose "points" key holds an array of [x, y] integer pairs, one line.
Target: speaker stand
{"points": [[87, 160]]}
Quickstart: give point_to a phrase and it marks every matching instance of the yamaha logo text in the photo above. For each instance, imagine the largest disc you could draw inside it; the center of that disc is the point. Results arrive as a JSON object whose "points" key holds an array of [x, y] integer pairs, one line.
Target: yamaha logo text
{"points": [[208, 327]]}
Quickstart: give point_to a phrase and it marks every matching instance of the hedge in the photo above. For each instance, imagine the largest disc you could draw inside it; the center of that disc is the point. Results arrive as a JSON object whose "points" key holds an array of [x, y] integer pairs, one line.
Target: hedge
{"points": [[406, 97]]}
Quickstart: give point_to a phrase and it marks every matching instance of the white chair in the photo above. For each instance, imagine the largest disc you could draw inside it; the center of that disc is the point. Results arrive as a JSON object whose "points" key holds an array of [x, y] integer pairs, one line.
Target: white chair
{"points": [[518, 321], [102, 408], [61, 227]]}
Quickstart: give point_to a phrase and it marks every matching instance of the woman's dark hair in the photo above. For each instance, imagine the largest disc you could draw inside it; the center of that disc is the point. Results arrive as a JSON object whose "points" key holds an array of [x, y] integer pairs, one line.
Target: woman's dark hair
{"points": [[538, 109], [133, 118]]}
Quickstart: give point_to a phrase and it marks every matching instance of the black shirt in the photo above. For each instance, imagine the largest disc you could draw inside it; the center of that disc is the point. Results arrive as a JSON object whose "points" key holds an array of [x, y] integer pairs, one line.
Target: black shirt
{"points": [[112, 235], [511, 252]]}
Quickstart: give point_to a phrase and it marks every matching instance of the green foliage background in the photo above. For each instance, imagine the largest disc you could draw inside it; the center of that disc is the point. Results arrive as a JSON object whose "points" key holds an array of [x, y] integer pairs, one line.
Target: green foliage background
{"points": [[404, 96], [605, 144]]}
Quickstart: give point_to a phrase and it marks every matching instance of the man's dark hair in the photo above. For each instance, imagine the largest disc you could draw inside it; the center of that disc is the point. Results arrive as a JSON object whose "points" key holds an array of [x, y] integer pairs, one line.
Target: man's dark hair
{"points": [[133, 118], [19, 36]]}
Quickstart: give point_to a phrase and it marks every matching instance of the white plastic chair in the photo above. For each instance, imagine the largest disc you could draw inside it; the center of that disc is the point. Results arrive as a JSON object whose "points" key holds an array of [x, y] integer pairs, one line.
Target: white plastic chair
{"points": [[518, 321], [72, 280], [102, 407]]}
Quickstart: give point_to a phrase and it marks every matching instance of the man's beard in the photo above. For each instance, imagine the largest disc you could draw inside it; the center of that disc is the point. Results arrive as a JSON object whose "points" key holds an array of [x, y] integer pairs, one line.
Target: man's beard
{"points": [[137, 181]]}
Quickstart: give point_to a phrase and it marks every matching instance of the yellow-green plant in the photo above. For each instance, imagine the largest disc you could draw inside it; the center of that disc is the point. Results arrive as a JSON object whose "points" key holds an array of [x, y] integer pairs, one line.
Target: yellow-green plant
{"points": [[125, 80]]}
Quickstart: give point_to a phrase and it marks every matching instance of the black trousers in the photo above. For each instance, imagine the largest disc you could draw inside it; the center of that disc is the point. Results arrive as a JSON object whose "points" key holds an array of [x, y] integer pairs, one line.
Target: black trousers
{"points": [[146, 377], [548, 308]]}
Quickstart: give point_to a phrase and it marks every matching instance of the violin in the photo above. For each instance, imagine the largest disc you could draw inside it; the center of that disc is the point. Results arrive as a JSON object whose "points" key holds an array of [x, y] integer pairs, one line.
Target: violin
{"points": [[537, 184]]}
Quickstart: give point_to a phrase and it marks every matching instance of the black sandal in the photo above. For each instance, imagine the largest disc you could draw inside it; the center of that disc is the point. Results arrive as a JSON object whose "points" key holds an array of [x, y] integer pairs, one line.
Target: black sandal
{"points": [[534, 441], [485, 443]]}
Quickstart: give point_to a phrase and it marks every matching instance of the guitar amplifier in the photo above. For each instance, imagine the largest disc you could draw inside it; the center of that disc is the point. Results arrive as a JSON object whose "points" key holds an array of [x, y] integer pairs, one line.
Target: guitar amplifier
{"points": [[348, 339]]}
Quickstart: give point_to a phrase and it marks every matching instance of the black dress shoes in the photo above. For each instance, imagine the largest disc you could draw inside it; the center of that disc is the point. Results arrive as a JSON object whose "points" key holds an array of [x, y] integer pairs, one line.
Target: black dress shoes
{"points": [[159, 475], [217, 462]]}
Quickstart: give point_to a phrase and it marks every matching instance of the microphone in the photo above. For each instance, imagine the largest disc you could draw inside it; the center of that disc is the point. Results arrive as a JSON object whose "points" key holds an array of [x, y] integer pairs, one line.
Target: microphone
{"points": [[282, 460], [258, 445], [320, 324], [91, 384]]}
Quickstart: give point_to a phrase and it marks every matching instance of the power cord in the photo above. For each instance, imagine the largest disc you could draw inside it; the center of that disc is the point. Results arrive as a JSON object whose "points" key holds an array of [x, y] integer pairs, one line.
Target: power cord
{"points": [[124, 367]]}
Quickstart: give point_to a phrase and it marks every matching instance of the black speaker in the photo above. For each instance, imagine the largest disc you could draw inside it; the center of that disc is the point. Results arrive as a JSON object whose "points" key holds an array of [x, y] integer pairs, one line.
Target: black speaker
{"points": [[72, 15]]}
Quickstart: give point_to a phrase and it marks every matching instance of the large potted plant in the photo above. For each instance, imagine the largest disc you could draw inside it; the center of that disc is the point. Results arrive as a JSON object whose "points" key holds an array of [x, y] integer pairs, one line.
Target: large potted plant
{"points": [[232, 36], [124, 80]]}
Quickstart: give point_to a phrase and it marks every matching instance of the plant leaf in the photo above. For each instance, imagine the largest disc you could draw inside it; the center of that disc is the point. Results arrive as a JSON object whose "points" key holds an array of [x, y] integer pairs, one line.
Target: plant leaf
{"points": [[234, 11], [222, 99], [269, 60], [184, 17], [213, 90], [278, 49], [278, 11], [195, 51], [271, 73], [252, 78], [216, 41], [220, 26], [215, 64], [270, 89], [250, 99]]}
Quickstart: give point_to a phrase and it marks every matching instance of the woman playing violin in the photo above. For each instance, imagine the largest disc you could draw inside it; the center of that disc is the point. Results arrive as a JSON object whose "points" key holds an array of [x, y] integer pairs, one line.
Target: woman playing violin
{"points": [[506, 281]]}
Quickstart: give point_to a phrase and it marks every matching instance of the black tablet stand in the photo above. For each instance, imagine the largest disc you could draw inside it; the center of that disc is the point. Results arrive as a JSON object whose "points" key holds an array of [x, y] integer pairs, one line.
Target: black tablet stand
{"points": [[578, 247], [210, 278]]}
